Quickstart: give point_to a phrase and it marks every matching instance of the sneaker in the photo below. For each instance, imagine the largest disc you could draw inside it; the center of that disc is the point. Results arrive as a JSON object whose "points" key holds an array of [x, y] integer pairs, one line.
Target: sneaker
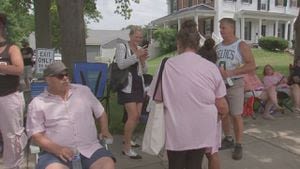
{"points": [[132, 154], [268, 117], [134, 144], [237, 153], [227, 143], [296, 110]]}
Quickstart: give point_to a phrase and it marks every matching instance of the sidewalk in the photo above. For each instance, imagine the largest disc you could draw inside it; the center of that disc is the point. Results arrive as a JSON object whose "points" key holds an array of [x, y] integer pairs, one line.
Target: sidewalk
{"points": [[267, 145]]}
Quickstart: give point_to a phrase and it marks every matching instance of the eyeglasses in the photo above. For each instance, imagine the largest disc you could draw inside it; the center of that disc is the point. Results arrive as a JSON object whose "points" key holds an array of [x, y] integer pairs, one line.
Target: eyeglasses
{"points": [[61, 76]]}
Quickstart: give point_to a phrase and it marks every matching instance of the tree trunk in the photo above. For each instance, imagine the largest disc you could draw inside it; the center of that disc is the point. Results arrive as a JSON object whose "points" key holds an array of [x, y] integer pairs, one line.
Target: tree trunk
{"points": [[42, 23], [297, 32], [72, 31]]}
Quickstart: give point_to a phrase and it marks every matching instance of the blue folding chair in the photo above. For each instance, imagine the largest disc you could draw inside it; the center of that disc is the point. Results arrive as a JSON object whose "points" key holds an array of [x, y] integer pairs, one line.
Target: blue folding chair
{"points": [[93, 75], [37, 87]]}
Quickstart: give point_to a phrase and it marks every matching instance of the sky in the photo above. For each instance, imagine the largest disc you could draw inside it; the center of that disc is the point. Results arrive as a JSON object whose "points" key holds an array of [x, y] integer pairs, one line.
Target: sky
{"points": [[143, 13]]}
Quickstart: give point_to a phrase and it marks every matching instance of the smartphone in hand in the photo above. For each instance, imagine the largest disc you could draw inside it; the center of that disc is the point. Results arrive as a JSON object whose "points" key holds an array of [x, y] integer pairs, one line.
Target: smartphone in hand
{"points": [[145, 44]]}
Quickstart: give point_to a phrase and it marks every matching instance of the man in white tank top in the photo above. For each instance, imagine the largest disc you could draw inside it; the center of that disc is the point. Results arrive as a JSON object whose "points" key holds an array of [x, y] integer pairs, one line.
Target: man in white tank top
{"points": [[234, 58]]}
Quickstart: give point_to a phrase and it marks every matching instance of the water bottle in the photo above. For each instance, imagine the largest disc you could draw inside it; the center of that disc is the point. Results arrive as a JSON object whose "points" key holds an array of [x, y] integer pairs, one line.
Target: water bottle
{"points": [[76, 161]]}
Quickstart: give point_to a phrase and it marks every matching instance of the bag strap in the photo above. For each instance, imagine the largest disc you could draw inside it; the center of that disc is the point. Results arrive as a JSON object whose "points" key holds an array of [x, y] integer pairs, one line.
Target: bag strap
{"points": [[159, 78], [126, 52]]}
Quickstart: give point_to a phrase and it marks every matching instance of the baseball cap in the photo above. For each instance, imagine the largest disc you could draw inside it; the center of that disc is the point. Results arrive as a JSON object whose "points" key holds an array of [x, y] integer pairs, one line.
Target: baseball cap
{"points": [[55, 69]]}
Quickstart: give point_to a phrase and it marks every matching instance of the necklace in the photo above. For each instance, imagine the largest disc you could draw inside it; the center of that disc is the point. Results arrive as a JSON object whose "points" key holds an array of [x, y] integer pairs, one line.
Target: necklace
{"points": [[3, 43]]}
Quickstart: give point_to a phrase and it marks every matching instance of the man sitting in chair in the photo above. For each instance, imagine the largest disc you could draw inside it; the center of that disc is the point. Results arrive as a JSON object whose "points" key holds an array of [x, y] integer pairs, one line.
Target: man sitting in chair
{"points": [[61, 121]]}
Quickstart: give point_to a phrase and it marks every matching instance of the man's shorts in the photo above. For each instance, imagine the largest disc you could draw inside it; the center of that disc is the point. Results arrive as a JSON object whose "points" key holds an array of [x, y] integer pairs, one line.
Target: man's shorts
{"points": [[46, 159], [235, 97]]}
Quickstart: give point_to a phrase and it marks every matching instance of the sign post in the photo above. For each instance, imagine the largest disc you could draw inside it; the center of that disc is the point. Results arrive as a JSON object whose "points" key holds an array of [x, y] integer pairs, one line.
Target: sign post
{"points": [[44, 57]]}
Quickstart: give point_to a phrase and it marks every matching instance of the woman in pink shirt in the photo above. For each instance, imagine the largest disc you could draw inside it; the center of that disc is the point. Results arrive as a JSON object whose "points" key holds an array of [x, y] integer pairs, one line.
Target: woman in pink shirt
{"points": [[273, 82], [193, 93]]}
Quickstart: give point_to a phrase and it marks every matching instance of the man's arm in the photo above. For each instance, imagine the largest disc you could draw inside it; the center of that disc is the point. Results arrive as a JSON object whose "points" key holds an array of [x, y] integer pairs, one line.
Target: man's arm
{"points": [[222, 107], [103, 123], [64, 153], [17, 62]]}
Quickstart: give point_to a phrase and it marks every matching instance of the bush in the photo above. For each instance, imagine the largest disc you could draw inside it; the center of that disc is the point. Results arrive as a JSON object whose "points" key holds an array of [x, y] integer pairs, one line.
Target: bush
{"points": [[272, 43], [166, 38]]}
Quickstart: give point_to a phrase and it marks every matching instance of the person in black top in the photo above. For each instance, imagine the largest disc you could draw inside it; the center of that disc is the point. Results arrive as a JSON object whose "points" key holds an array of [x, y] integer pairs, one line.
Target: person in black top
{"points": [[27, 54], [208, 51], [11, 101], [294, 81]]}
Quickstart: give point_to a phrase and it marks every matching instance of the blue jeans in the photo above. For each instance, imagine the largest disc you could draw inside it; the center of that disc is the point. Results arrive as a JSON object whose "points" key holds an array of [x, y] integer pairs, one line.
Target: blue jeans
{"points": [[46, 159]]}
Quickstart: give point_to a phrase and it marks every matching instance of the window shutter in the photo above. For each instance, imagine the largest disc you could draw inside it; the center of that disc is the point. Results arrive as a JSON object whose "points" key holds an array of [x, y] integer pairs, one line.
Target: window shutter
{"points": [[250, 2], [258, 4], [285, 3], [276, 2], [268, 5]]}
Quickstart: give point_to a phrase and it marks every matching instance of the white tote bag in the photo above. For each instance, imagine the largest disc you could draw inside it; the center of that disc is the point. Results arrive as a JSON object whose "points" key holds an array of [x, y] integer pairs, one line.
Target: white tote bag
{"points": [[154, 136]]}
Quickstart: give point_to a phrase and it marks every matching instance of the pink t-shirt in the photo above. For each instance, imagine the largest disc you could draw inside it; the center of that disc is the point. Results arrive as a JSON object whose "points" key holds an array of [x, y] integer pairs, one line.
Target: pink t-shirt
{"points": [[68, 123], [273, 80], [190, 85]]}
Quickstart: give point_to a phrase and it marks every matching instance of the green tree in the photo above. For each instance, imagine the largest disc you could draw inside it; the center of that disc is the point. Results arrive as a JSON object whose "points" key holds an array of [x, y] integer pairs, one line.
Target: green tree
{"points": [[21, 22], [73, 37], [166, 38], [68, 31]]}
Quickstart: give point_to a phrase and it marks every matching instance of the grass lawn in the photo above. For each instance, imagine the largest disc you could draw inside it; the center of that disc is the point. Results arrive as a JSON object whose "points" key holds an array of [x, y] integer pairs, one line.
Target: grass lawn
{"points": [[279, 60]]}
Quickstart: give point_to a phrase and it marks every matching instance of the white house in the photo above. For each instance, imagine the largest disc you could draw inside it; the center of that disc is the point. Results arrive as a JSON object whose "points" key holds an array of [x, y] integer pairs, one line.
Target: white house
{"points": [[103, 42], [254, 18]]}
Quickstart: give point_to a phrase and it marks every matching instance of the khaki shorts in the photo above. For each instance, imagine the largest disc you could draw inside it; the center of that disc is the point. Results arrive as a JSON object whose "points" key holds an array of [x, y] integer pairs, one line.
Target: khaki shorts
{"points": [[235, 97]]}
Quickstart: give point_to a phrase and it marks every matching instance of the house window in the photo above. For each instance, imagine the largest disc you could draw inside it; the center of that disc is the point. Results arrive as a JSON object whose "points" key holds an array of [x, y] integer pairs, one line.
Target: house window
{"points": [[247, 30], [207, 26], [263, 30], [173, 5], [279, 2], [247, 1], [281, 30], [190, 2], [293, 3]]}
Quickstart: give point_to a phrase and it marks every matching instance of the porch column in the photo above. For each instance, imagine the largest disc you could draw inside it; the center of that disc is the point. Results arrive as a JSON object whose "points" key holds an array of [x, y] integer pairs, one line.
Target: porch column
{"points": [[291, 33], [196, 20], [292, 30], [259, 28], [286, 30], [216, 26], [178, 24], [276, 29], [242, 28], [165, 25]]}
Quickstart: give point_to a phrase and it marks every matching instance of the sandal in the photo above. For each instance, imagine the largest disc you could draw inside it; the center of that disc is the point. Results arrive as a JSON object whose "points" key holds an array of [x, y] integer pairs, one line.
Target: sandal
{"points": [[268, 117], [132, 154], [133, 144]]}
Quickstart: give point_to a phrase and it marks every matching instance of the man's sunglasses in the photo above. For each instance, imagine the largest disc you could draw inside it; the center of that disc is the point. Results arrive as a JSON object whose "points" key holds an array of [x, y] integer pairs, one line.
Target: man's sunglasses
{"points": [[61, 76]]}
